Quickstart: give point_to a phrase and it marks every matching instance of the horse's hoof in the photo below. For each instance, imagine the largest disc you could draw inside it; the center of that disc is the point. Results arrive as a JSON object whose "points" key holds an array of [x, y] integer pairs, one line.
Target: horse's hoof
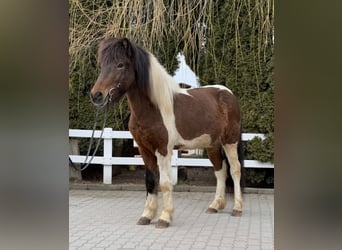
{"points": [[211, 210], [162, 224], [144, 221], [236, 213]]}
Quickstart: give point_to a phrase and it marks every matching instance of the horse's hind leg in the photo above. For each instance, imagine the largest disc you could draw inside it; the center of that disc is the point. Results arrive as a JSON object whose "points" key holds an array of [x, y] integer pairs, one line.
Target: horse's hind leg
{"points": [[235, 171], [151, 182], [220, 168]]}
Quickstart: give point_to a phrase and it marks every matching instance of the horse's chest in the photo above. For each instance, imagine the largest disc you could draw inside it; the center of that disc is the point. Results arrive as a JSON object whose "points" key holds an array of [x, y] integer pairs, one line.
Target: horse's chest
{"points": [[151, 136]]}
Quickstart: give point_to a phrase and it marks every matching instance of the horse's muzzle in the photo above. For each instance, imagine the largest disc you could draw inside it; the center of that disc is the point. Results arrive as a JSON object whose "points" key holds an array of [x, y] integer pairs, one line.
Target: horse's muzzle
{"points": [[97, 98]]}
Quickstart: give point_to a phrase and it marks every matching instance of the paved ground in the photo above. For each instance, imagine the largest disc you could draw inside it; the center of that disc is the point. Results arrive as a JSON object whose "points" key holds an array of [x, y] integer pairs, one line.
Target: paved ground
{"points": [[107, 220]]}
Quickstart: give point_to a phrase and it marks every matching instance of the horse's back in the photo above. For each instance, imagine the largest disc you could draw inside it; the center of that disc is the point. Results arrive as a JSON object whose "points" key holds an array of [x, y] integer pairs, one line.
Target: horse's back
{"points": [[212, 110]]}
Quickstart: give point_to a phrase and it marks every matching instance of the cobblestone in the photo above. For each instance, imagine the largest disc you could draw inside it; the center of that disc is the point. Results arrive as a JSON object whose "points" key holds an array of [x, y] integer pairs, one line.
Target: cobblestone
{"points": [[107, 220]]}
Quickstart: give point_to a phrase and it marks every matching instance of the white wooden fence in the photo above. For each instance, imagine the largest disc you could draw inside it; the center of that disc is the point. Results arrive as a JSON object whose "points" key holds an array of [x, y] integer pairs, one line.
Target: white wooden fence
{"points": [[107, 160]]}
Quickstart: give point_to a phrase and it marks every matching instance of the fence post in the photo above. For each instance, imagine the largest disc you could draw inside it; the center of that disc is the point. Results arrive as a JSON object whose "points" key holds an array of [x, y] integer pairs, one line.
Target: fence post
{"points": [[174, 167], [74, 150], [107, 155]]}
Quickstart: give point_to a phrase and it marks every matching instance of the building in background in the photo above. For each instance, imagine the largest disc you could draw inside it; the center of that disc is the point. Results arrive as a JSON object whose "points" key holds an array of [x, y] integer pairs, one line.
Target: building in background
{"points": [[184, 76]]}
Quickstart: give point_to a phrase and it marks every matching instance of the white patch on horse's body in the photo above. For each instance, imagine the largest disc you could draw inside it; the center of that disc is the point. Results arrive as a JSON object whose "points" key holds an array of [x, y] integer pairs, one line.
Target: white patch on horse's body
{"points": [[202, 141], [218, 87]]}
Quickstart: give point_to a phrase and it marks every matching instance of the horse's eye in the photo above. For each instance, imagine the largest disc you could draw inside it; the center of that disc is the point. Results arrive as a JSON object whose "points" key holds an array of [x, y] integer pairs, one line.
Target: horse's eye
{"points": [[120, 65]]}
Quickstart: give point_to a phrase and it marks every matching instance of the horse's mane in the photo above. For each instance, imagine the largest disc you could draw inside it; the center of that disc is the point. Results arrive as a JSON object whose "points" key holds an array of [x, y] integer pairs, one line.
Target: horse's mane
{"points": [[163, 87], [151, 77]]}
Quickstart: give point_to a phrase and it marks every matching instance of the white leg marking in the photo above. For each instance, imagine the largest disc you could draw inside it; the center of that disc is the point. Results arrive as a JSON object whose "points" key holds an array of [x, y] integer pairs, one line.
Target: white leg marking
{"points": [[220, 196], [235, 171], [151, 206], [164, 164]]}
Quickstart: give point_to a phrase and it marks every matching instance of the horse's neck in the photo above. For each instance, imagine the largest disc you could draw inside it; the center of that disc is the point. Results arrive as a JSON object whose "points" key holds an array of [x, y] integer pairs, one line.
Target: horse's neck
{"points": [[139, 103]]}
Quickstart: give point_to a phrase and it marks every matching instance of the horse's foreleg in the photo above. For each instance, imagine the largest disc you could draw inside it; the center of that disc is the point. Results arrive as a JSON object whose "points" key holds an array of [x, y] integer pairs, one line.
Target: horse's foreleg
{"points": [[151, 182], [165, 182], [151, 204], [235, 171]]}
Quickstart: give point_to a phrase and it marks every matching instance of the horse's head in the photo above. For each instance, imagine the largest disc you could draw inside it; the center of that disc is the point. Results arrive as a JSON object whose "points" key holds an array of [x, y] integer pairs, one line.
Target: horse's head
{"points": [[115, 58]]}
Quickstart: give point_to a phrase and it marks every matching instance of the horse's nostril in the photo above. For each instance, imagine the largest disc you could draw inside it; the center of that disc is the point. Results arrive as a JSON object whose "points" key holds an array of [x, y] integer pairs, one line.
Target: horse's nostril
{"points": [[97, 97]]}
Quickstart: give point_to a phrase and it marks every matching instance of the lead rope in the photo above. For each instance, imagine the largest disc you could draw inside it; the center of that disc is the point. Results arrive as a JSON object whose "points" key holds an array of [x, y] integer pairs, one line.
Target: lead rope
{"points": [[85, 164]]}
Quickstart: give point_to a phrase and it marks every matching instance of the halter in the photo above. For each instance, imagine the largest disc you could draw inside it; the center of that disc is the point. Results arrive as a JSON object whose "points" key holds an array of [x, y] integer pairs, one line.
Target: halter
{"points": [[111, 91]]}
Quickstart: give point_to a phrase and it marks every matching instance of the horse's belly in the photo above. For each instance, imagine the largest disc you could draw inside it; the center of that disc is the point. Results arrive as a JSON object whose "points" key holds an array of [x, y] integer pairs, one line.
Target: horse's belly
{"points": [[202, 141]]}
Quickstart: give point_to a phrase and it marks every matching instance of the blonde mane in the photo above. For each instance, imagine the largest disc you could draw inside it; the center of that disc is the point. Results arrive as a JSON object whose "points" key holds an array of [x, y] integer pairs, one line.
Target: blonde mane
{"points": [[162, 86]]}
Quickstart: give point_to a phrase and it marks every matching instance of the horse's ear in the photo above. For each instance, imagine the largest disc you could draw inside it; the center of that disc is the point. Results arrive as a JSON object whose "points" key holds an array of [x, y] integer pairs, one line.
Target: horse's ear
{"points": [[128, 46]]}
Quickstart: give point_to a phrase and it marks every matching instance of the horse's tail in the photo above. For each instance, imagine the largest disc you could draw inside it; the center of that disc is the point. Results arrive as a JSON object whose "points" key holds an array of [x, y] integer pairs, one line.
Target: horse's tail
{"points": [[229, 182]]}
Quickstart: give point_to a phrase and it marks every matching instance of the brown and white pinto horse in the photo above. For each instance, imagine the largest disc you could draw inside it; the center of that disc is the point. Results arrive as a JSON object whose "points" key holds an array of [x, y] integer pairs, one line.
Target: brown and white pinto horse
{"points": [[164, 117]]}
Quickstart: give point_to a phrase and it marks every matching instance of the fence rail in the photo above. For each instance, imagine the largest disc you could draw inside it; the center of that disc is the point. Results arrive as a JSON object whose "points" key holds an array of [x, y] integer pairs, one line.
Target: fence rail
{"points": [[107, 160]]}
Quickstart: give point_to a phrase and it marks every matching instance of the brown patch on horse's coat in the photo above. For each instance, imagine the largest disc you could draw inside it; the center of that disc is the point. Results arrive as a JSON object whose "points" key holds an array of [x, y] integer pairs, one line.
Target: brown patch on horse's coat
{"points": [[214, 154], [143, 125], [230, 110]]}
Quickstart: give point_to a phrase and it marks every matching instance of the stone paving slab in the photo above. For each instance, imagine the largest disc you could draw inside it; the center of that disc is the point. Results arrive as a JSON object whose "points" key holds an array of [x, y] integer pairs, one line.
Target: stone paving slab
{"points": [[107, 219]]}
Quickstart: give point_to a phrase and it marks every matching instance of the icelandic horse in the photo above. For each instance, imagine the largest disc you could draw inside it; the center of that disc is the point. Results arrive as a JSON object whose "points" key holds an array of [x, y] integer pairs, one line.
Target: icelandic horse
{"points": [[166, 117]]}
